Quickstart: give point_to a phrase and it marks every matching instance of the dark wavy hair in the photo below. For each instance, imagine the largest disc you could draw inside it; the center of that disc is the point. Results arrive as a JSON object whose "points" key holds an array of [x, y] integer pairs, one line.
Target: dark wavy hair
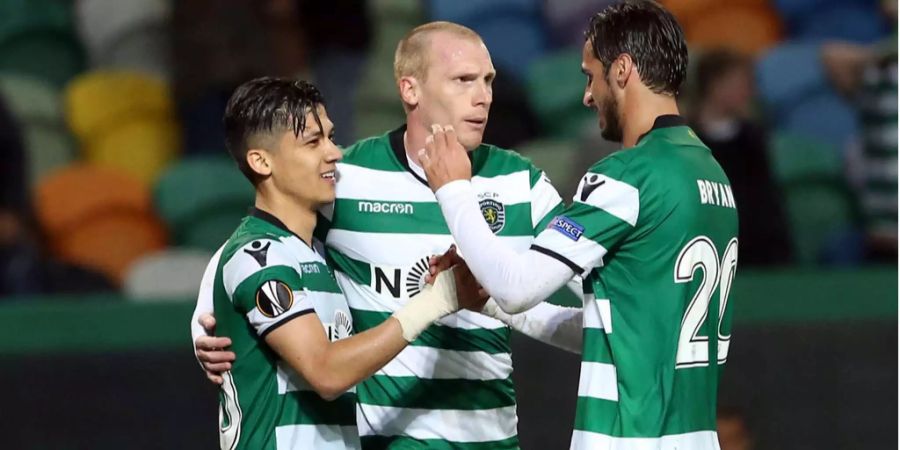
{"points": [[649, 34], [267, 106]]}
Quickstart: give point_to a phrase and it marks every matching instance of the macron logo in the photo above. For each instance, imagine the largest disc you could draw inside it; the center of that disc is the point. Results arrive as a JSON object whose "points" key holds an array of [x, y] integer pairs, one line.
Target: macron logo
{"points": [[386, 208]]}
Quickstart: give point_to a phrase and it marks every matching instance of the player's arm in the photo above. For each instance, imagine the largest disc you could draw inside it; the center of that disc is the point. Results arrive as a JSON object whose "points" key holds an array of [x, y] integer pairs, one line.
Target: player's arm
{"points": [[520, 280], [559, 326], [556, 325], [331, 368], [208, 348]]}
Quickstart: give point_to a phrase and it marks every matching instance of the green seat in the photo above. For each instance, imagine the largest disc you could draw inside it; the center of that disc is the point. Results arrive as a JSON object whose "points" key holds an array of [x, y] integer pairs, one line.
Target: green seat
{"points": [[797, 158], [36, 105], [31, 99], [555, 91], [49, 149], [817, 211], [37, 38], [200, 199]]}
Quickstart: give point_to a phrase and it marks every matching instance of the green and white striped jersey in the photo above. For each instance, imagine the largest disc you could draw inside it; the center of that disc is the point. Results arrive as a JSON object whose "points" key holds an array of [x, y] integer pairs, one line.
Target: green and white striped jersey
{"points": [[451, 388], [267, 276], [654, 230]]}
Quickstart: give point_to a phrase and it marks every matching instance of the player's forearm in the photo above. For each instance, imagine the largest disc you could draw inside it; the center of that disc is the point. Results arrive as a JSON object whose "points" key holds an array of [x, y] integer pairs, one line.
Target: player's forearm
{"points": [[350, 361], [556, 325], [518, 281]]}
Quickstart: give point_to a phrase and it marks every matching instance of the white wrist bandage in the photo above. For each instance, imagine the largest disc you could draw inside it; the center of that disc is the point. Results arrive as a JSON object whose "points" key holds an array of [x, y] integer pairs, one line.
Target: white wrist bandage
{"points": [[433, 303]]}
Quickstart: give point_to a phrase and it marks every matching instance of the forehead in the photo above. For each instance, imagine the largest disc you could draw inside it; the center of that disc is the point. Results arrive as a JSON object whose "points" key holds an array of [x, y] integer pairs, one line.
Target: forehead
{"points": [[312, 127], [587, 54], [449, 50]]}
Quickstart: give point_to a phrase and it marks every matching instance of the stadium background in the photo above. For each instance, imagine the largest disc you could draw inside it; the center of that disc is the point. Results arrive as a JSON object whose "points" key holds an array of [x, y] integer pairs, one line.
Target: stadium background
{"points": [[116, 189]]}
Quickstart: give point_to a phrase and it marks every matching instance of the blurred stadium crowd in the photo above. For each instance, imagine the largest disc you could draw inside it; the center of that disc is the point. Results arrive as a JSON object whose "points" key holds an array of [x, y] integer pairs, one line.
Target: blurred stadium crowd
{"points": [[115, 175]]}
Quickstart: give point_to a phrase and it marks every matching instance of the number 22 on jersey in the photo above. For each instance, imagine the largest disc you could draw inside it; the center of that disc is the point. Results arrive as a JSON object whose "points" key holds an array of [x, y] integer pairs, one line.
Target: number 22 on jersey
{"points": [[700, 253]]}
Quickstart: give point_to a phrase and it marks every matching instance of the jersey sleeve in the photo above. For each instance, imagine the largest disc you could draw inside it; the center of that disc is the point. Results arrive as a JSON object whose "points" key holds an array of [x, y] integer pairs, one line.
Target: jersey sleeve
{"points": [[265, 284], [546, 202], [603, 213]]}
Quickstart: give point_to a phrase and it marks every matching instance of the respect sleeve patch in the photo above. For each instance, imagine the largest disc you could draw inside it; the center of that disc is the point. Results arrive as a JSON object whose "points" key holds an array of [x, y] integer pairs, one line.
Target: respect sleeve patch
{"points": [[568, 227]]}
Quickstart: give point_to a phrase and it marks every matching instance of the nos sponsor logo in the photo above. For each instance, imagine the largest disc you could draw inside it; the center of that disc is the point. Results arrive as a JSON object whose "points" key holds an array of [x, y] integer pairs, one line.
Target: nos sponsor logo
{"points": [[399, 282]]}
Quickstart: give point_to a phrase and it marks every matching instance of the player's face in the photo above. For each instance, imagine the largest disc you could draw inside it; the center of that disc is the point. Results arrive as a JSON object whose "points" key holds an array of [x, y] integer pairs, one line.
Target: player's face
{"points": [[457, 88], [598, 95], [304, 166]]}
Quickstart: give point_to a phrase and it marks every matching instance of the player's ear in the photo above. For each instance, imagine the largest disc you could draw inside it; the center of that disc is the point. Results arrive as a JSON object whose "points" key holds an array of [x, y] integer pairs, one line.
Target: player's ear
{"points": [[409, 91], [623, 66], [260, 161]]}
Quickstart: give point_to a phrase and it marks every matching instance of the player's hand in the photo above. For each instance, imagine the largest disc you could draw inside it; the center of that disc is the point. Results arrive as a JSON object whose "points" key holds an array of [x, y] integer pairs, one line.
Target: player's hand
{"points": [[440, 263], [444, 158], [469, 294], [211, 350]]}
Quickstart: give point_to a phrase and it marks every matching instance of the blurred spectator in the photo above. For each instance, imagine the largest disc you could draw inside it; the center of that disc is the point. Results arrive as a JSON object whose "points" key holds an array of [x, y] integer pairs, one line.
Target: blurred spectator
{"points": [[868, 75], [23, 269], [216, 48], [338, 34], [720, 115], [734, 432]]}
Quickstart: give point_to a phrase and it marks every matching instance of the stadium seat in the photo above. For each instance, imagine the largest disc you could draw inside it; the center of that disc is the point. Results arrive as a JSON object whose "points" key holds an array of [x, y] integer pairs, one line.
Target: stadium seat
{"points": [[101, 22], [100, 100], [825, 116], [49, 148], [513, 30], [788, 73], [171, 274], [97, 217], [143, 147], [847, 22], [36, 106], [555, 88], [37, 39], [567, 21], [750, 30], [796, 158], [219, 196], [817, 212]]}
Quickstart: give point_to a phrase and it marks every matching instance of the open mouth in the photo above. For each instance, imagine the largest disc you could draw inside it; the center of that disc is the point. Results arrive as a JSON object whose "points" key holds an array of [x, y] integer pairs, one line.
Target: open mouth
{"points": [[476, 122], [329, 176]]}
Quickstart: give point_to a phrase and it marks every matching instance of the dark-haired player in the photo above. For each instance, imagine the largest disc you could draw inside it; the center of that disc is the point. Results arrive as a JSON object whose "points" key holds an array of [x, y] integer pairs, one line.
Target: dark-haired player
{"points": [[291, 386], [653, 231]]}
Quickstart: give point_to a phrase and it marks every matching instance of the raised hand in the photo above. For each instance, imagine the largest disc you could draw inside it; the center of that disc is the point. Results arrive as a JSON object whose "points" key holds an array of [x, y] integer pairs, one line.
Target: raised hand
{"points": [[444, 158]]}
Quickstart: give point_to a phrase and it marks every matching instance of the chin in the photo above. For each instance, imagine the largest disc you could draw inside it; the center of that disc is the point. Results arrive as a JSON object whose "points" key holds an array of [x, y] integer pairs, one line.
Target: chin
{"points": [[471, 142]]}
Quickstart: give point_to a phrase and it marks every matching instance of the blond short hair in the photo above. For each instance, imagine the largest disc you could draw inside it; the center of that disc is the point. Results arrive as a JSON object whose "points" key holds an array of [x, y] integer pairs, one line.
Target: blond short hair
{"points": [[411, 57]]}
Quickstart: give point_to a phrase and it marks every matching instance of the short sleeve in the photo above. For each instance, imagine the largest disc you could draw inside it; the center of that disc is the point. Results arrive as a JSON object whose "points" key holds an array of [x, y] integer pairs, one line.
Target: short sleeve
{"points": [[264, 282], [603, 213]]}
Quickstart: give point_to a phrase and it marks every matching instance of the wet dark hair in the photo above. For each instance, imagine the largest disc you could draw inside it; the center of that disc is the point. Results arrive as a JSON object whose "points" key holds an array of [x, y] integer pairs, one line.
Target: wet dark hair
{"points": [[649, 34], [267, 106]]}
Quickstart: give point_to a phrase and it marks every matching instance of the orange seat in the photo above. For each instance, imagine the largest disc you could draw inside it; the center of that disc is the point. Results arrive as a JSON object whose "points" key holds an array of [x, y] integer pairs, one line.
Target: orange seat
{"points": [[685, 10], [97, 217], [748, 29], [111, 242], [76, 193]]}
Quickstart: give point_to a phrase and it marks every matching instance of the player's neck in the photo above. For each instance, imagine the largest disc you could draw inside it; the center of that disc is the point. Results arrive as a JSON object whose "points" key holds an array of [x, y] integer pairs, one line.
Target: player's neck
{"points": [[299, 219], [640, 115], [414, 139]]}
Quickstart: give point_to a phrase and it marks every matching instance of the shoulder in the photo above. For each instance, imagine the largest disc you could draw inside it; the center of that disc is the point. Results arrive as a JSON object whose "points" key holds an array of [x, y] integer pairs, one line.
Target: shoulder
{"points": [[374, 152], [490, 161]]}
